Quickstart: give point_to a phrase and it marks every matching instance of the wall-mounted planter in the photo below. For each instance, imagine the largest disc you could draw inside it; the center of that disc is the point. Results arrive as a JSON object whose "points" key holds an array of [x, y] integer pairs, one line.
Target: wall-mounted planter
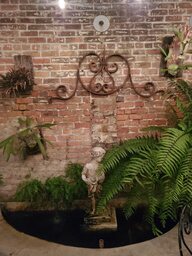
{"points": [[164, 71], [19, 80]]}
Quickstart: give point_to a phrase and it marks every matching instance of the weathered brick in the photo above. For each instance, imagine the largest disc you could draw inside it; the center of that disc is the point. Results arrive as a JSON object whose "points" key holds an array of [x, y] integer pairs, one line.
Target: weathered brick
{"points": [[57, 40], [36, 40]]}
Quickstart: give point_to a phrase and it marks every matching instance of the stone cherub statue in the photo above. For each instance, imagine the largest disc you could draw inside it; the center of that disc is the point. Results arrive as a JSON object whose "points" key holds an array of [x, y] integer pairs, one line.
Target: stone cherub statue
{"points": [[92, 177]]}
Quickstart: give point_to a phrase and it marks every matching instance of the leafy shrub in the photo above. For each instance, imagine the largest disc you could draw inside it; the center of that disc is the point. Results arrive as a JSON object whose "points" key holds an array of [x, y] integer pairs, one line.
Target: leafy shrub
{"points": [[78, 186], [31, 191], [57, 191]]}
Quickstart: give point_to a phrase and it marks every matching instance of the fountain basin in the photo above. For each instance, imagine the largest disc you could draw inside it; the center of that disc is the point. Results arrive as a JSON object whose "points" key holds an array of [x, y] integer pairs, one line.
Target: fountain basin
{"points": [[69, 228]]}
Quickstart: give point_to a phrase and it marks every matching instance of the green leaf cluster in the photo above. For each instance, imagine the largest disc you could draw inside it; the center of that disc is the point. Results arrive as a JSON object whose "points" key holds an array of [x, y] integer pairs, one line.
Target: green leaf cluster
{"points": [[175, 54], [30, 191], [27, 140], [57, 192], [73, 175], [156, 171]]}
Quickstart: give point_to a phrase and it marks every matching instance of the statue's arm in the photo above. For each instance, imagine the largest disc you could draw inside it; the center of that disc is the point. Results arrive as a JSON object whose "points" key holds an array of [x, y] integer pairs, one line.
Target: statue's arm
{"points": [[84, 174]]}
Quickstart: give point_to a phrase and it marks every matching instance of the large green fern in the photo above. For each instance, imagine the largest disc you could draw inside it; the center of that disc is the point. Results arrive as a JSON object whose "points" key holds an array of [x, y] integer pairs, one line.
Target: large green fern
{"points": [[154, 171], [114, 156]]}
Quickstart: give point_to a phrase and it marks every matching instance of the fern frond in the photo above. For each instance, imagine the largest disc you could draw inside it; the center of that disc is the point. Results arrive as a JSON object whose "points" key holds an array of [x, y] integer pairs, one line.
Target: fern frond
{"points": [[126, 174], [168, 204], [112, 185], [30, 191], [138, 169], [173, 147], [186, 170], [152, 209], [114, 156], [185, 87], [181, 106]]}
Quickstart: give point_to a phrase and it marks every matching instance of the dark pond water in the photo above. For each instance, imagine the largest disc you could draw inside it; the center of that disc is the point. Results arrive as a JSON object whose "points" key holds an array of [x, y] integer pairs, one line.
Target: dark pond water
{"points": [[66, 227]]}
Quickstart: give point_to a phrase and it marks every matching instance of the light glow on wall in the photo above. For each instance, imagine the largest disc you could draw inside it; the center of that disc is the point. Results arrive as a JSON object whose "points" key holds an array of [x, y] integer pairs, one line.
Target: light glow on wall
{"points": [[61, 4]]}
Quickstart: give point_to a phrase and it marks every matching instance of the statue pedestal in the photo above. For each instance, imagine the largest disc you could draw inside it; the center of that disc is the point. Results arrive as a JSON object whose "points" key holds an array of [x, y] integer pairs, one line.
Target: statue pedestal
{"points": [[106, 221]]}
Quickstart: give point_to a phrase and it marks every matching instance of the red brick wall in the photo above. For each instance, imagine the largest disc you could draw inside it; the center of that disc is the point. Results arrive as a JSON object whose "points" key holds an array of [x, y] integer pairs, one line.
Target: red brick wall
{"points": [[57, 39]]}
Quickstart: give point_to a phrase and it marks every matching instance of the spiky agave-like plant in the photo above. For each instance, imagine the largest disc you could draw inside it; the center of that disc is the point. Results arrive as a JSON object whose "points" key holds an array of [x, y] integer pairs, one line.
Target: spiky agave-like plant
{"points": [[17, 81], [154, 171]]}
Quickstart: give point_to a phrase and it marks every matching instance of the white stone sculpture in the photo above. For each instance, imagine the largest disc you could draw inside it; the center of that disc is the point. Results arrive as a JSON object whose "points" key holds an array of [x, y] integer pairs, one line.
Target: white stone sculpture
{"points": [[92, 177]]}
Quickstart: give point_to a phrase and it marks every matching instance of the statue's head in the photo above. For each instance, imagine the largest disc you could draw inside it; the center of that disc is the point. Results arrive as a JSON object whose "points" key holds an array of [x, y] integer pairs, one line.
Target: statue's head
{"points": [[98, 153]]}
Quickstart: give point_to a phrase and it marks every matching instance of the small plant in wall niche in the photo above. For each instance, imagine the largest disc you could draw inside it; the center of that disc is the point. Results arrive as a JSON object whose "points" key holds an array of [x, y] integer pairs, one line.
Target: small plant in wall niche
{"points": [[175, 49], [28, 140], [17, 82]]}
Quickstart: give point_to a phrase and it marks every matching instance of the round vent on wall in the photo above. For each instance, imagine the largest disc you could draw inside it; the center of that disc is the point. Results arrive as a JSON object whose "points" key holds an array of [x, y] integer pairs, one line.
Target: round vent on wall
{"points": [[101, 23]]}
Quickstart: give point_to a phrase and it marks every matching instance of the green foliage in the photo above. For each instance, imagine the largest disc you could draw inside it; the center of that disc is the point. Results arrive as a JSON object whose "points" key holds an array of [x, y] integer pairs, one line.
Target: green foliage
{"points": [[78, 186], [57, 192], [28, 140], [154, 171], [114, 156], [31, 191], [175, 54], [17, 81]]}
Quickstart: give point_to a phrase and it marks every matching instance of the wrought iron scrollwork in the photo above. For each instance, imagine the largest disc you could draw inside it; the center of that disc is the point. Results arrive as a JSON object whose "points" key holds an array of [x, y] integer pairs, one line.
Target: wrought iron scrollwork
{"points": [[101, 73], [63, 93], [184, 229], [102, 82]]}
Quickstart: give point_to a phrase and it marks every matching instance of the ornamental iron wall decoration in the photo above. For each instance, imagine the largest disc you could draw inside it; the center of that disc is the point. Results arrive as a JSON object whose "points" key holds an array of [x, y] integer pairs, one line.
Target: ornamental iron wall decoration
{"points": [[103, 75]]}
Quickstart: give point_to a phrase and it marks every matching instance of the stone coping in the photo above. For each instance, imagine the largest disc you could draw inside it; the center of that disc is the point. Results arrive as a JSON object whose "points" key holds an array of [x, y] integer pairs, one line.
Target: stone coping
{"points": [[15, 243]]}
